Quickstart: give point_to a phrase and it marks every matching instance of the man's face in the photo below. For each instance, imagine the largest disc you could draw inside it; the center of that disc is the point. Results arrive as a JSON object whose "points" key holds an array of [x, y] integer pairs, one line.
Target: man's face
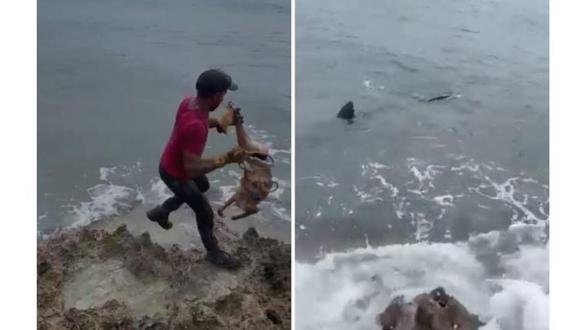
{"points": [[217, 99]]}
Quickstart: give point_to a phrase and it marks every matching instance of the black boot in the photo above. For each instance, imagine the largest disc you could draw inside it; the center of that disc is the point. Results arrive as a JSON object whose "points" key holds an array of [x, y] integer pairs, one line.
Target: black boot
{"points": [[222, 259], [161, 216]]}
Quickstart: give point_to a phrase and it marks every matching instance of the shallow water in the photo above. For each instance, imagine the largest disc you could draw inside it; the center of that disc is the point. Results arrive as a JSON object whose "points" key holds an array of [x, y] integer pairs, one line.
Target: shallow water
{"points": [[110, 77]]}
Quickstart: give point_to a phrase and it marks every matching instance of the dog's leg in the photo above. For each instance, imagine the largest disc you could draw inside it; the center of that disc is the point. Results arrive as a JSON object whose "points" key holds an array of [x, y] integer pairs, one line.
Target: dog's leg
{"points": [[227, 203], [242, 137], [247, 213], [245, 142]]}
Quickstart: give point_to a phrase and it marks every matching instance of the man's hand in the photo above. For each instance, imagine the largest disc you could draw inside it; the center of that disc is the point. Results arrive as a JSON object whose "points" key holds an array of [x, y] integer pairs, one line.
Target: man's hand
{"points": [[236, 155], [238, 118]]}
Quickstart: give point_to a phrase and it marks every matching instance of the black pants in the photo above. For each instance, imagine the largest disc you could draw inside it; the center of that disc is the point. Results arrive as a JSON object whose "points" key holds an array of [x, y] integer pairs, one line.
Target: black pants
{"points": [[191, 192]]}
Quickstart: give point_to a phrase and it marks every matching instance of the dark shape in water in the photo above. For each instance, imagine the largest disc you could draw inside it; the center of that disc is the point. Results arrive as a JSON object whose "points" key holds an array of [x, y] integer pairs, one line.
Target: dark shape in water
{"points": [[347, 111], [439, 98]]}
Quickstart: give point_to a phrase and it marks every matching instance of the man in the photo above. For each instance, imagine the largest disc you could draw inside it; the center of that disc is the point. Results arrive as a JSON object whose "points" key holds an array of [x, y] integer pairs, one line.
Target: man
{"points": [[182, 167]]}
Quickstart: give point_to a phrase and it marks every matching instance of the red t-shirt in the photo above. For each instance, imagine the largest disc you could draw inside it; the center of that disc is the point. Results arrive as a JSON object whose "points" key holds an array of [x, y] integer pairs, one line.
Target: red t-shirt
{"points": [[189, 134]]}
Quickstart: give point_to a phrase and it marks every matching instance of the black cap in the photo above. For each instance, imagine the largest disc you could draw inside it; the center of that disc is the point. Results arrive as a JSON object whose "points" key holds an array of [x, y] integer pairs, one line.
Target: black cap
{"points": [[214, 81]]}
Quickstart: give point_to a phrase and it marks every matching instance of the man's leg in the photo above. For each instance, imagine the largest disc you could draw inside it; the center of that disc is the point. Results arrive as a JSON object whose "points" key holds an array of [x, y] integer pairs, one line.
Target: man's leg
{"points": [[160, 213], [189, 192], [194, 198], [192, 195], [173, 203], [202, 183]]}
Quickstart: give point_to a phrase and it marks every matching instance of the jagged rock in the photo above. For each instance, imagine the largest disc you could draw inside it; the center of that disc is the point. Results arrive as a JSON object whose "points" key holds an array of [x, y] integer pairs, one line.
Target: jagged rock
{"points": [[112, 315], [435, 310], [273, 316], [256, 297]]}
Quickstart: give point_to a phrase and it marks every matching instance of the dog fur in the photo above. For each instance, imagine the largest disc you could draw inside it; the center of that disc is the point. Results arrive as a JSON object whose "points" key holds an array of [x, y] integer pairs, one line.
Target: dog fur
{"points": [[256, 183], [227, 118]]}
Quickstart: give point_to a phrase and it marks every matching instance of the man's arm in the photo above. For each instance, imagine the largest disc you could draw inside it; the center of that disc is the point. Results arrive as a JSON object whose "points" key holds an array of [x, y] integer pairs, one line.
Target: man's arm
{"points": [[212, 123], [190, 138], [197, 166]]}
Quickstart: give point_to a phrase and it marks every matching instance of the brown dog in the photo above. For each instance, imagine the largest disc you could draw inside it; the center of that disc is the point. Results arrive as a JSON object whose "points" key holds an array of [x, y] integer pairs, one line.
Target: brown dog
{"points": [[256, 183], [435, 310]]}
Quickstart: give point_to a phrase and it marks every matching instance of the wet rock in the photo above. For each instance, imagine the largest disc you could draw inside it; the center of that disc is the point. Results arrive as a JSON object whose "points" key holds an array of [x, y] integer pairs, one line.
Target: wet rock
{"points": [[435, 310]]}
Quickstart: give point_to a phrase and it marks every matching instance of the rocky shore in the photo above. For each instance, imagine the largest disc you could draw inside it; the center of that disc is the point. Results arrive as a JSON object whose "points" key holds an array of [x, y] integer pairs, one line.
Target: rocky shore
{"points": [[97, 279]]}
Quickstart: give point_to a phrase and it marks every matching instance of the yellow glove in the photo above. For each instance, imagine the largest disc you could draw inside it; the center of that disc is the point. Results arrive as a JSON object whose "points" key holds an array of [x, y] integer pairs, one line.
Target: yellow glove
{"points": [[220, 161], [236, 155]]}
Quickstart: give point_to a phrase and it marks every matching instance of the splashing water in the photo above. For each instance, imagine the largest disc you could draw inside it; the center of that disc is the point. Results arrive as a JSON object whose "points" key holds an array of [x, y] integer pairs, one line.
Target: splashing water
{"points": [[508, 291], [119, 191]]}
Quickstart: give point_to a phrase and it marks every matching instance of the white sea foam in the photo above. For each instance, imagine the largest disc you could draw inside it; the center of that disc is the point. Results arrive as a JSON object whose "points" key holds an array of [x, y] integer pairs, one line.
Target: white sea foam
{"points": [[371, 86], [158, 192], [118, 193], [500, 275], [417, 185], [444, 200], [106, 200], [347, 290]]}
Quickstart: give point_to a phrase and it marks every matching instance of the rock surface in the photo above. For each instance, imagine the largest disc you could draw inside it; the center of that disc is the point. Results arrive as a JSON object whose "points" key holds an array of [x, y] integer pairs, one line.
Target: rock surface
{"points": [[197, 295], [435, 310]]}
